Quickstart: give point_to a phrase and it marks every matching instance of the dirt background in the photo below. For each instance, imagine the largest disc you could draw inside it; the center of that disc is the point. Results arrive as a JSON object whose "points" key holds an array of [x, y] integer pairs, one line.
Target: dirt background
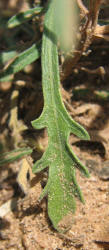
{"points": [[24, 224]]}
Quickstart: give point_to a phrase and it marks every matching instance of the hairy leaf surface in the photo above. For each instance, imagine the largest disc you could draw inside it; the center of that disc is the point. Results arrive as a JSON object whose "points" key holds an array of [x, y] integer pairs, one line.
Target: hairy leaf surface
{"points": [[61, 186]]}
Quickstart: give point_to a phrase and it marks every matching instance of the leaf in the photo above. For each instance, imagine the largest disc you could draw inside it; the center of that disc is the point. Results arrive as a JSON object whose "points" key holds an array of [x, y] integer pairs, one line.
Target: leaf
{"points": [[6, 56], [14, 155], [23, 59], [23, 17], [103, 21], [62, 186]]}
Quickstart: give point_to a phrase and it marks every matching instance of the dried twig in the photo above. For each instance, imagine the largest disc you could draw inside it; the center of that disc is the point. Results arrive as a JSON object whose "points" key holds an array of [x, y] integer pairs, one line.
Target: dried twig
{"points": [[83, 9], [89, 31]]}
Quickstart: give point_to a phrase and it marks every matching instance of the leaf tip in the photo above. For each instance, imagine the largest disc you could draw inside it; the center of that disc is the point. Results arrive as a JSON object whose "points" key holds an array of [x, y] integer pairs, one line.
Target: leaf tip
{"points": [[85, 136]]}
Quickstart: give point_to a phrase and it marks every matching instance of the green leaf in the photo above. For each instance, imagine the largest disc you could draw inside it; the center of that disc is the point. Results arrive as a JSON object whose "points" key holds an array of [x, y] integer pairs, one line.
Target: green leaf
{"points": [[62, 186], [6, 56], [23, 17], [103, 21], [102, 95], [14, 155], [23, 59]]}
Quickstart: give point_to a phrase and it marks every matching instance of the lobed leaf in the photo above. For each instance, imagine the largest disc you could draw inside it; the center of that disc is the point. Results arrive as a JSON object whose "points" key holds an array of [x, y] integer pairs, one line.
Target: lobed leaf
{"points": [[62, 186]]}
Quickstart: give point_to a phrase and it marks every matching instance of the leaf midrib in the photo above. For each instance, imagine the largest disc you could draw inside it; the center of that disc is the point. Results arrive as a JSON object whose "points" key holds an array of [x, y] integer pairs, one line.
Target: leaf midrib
{"points": [[51, 83]]}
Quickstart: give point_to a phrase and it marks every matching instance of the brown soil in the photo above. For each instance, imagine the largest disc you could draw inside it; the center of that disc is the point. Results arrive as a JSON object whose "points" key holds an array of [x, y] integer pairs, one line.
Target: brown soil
{"points": [[25, 225]]}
